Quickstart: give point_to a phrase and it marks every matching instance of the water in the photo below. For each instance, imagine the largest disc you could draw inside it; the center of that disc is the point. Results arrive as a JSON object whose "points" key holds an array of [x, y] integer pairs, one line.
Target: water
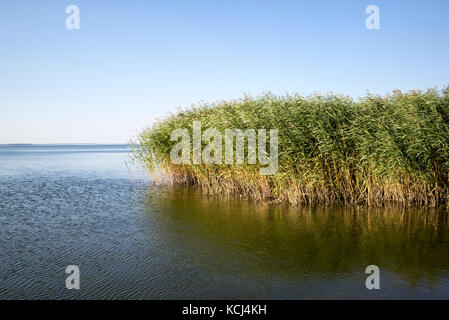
{"points": [[63, 205]]}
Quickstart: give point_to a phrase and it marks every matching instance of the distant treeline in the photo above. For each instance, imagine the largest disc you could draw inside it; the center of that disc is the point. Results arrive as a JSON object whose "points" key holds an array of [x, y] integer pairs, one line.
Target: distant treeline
{"points": [[332, 149]]}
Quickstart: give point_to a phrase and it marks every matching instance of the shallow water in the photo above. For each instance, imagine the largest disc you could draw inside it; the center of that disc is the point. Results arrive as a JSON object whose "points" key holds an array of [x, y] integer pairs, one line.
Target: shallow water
{"points": [[63, 205]]}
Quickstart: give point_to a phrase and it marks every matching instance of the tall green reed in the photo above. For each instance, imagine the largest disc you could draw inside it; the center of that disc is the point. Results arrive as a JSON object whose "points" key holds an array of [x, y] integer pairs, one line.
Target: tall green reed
{"points": [[332, 149]]}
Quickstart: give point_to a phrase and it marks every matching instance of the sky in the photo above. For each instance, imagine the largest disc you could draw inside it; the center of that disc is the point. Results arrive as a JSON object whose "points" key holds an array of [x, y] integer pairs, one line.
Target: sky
{"points": [[132, 62]]}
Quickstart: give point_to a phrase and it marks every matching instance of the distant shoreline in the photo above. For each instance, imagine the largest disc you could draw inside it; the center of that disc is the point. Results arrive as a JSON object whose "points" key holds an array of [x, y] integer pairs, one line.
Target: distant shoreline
{"points": [[59, 144]]}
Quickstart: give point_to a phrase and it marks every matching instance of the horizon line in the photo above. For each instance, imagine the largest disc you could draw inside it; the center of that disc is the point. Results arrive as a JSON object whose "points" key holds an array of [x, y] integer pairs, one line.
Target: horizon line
{"points": [[63, 144]]}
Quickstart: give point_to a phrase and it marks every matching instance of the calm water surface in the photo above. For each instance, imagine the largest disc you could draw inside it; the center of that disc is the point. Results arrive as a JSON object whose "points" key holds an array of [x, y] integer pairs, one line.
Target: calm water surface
{"points": [[62, 205]]}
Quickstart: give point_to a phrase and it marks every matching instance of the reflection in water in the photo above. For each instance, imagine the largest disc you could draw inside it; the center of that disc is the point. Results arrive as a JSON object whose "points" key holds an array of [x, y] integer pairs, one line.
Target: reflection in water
{"points": [[76, 205], [309, 245]]}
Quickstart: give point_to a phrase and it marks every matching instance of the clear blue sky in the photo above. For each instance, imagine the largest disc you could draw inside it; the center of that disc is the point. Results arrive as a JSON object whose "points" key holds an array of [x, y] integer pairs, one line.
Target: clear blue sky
{"points": [[134, 61]]}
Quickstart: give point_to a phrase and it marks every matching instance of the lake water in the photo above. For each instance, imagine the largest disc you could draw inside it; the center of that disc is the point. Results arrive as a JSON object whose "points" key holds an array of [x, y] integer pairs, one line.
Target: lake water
{"points": [[64, 205]]}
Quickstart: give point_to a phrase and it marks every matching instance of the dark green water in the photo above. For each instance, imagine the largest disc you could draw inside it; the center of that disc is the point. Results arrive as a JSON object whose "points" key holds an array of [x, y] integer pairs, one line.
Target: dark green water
{"points": [[76, 205]]}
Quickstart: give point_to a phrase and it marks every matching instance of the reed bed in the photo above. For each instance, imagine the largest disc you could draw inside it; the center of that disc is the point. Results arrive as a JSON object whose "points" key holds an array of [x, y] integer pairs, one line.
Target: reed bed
{"points": [[332, 149]]}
